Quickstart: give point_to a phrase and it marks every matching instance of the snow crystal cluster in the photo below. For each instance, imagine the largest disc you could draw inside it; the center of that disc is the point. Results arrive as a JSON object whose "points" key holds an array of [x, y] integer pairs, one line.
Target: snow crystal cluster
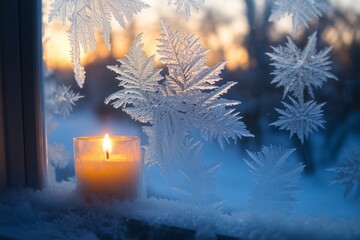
{"points": [[300, 72], [188, 99]]}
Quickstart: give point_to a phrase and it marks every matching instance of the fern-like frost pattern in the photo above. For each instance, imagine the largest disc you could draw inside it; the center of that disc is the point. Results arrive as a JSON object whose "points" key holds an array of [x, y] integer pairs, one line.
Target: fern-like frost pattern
{"points": [[187, 99], [198, 178], [192, 84], [87, 15], [187, 5], [276, 177], [139, 79]]}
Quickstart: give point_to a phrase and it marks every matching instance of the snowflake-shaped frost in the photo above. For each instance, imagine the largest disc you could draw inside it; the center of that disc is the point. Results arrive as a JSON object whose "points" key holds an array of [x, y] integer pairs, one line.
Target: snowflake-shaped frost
{"points": [[277, 179], [300, 118], [297, 69], [301, 11], [348, 173], [187, 5], [188, 99], [87, 15], [61, 99]]}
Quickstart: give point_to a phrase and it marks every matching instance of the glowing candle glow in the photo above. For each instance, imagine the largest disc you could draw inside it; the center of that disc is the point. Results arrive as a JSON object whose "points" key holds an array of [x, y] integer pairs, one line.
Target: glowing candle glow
{"points": [[107, 146], [107, 166]]}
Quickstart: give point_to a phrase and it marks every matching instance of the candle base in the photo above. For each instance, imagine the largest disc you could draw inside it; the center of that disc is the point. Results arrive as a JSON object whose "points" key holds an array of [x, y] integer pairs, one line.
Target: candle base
{"points": [[110, 179]]}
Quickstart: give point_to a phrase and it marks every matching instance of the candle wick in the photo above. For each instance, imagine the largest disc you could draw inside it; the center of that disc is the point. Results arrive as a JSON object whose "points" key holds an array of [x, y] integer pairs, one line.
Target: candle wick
{"points": [[107, 155]]}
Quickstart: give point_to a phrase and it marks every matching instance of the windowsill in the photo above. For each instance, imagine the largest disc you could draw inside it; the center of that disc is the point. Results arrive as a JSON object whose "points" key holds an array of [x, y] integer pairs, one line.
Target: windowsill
{"points": [[136, 229], [59, 212]]}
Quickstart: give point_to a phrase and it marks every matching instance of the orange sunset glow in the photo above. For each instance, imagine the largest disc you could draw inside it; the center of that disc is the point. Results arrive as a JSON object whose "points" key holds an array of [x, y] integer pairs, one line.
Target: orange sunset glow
{"points": [[57, 49], [224, 33], [222, 42]]}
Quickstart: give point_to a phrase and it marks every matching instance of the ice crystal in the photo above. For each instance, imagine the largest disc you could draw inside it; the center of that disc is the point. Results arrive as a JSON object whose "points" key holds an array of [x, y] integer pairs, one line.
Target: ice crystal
{"points": [[187, 5], [188, 99], [197, 183], [166, 136], [60, 99], [276, 177], [87, 15], [191, 86], [59, 157], [300, 118], [139, 79], [297, 70], [301, 11], [348, 173]]}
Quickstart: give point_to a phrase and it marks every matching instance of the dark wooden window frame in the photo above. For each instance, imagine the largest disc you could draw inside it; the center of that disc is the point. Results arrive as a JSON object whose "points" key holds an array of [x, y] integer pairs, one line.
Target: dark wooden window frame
{"points": [[22, 145]]}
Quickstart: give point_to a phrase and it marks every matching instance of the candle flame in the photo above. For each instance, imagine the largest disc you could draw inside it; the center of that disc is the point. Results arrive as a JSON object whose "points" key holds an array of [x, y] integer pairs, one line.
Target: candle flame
{"points": [[107, 145]]}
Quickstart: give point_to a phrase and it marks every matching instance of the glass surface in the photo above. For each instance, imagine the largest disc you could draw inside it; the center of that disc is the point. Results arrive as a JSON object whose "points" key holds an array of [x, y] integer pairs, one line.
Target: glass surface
{"points": [[237, 32]]}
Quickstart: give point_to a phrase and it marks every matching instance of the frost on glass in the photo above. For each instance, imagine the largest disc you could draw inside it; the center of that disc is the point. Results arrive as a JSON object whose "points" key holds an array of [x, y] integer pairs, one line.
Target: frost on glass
{"points": [[300, 118], [184, 107], [194, 88], [186, 100], [277, 179], [300, 72], [60, 99], [348, 173], [300, 11], [197, 182], [59, 157], [140, 81], [187, 5], [87, 15]]}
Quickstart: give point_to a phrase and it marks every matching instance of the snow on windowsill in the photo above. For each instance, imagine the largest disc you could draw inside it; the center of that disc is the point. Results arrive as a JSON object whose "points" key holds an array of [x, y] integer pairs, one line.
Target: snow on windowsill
{"points": [[58, 212]]}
